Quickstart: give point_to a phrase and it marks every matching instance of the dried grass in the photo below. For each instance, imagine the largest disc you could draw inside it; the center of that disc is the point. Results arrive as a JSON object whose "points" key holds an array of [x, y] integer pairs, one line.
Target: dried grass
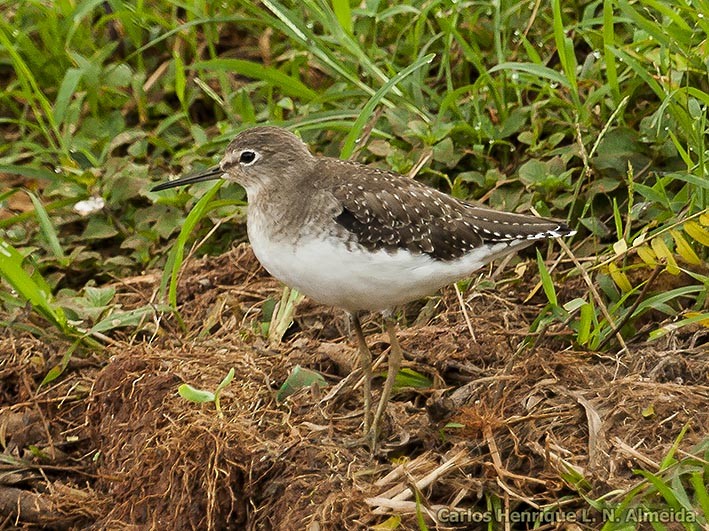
{"points": [[127, 451]]}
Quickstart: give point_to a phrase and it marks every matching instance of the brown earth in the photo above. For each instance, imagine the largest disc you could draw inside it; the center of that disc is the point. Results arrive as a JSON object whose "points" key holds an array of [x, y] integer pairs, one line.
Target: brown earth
{"points": [[525, 421]]}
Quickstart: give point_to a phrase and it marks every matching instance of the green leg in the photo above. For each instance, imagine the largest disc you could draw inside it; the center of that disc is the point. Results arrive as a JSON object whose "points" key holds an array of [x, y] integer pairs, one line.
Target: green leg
{"points": [[395, 357], [365, 357]]}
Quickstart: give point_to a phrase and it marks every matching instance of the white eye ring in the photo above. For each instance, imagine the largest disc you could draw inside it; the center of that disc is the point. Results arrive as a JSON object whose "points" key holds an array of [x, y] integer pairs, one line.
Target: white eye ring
{"points": [[248, 157]]}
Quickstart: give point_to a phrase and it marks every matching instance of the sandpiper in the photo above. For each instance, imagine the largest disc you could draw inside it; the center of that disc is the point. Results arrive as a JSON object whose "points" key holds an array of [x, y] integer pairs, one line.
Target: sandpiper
{"points": [[361, 238]]}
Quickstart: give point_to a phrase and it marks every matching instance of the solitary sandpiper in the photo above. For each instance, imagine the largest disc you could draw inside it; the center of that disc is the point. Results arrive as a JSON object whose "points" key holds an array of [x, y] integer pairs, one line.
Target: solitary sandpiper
{"points": [[361, 238]]}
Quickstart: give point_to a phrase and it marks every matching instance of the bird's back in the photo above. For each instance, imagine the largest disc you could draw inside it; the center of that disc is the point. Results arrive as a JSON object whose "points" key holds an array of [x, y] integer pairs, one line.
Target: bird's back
{"points": [[385, 210]]}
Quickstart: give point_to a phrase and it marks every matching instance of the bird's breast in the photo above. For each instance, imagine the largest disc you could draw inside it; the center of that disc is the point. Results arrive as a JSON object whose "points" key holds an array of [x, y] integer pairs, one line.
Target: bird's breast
{"points": [[332, 270]]}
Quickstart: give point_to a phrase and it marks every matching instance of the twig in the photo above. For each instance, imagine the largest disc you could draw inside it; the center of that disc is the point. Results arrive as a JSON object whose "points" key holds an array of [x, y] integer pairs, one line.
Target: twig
{"points": [[594, 292], [421, 484], [629, 313], [632, 452], [432, 476], [420, 163], [366, 133], [465, 312]]}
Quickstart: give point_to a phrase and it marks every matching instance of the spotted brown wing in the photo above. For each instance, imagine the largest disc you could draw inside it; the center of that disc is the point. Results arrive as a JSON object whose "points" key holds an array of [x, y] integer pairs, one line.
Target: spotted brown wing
{"points": [[384, 210]]}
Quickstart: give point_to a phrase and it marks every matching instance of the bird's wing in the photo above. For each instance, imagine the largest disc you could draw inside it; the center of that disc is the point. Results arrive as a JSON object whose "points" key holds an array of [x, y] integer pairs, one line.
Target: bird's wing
{"points": [[384, 210]]}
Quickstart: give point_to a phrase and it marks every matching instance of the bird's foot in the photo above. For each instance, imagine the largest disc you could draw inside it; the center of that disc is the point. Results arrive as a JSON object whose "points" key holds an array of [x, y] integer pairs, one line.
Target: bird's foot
{"points": [[370, 439]]}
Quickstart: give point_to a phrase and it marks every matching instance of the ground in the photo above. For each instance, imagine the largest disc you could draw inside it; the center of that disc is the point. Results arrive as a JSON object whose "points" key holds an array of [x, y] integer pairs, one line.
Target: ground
{"points": [[516, 422]]}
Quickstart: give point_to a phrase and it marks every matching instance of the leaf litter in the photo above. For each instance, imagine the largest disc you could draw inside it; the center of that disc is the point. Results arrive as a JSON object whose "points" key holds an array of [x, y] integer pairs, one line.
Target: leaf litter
{"points": [[111, 444]]}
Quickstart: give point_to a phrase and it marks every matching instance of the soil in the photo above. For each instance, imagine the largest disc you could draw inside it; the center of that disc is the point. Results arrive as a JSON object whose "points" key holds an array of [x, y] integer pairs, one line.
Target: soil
{"points": [[524, 420]]}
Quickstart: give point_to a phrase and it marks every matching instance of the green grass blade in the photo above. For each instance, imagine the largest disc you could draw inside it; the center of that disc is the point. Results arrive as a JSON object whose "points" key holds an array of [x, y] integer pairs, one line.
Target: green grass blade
{"points": [[564, 47], [48, 231], [41, 107], [84, 10], [8, 193], [342, 11], [39, 296], [547, 283], [420, 520], [180, 80], [298, 30], [660, 300], [701, 492], [608, 43], [475, 57], [327, 18], [664, 490], [651, 27], [539, 71], [29, 171], [184, 29], [24, 216], [290, 85], [176, 257], [670, 459], [676, 325], [378, 96], [282, 319]]}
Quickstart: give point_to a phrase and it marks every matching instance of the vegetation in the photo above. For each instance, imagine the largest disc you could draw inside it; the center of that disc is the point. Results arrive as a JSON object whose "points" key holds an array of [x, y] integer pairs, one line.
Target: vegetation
{"points": [[595, 112]]}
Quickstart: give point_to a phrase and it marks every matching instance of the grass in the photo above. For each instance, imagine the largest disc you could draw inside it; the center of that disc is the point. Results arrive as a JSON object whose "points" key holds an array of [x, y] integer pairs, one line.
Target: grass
{"points": [[596, 112]]}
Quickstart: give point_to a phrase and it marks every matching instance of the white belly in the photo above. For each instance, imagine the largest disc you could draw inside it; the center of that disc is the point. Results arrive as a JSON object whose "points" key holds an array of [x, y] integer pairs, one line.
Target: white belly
{"points": [[330, 273]]}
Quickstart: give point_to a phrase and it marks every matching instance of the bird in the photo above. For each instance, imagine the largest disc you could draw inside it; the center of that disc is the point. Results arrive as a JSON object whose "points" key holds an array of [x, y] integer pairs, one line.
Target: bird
{"points": [[359, 238]]}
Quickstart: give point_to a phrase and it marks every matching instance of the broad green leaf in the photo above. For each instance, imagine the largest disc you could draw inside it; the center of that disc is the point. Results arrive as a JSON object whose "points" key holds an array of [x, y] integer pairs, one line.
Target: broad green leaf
{"points": [[684, 249], [120, 319], [620, 278], [408, 378], [99, 228], [647, 255], [226, 380], [298, 379], [58, 369], [198, 396], [662, 251], [585, 320], [66, 91]]}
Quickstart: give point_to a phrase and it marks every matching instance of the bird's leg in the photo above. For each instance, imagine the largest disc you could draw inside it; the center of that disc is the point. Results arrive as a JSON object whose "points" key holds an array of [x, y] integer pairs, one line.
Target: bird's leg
{"points": [[365, 357], [395, 357]]}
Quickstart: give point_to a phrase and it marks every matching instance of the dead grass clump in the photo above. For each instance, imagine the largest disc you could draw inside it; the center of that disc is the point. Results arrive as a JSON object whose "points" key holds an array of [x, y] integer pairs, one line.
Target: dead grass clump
{"points": [[167, 463], [43, 479]]}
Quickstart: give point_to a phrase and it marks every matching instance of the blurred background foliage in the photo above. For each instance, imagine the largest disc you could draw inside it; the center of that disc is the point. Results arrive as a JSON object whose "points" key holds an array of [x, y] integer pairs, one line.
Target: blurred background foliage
{"points": [[592, 111]]}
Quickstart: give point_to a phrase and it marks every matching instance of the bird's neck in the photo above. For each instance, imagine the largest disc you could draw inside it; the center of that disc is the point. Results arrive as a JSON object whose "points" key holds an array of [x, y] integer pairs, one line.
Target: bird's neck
{"points": [[278, 209]]}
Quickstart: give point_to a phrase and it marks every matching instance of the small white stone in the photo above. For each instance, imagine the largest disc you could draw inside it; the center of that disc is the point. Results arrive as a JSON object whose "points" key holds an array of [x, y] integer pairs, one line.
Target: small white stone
{"points": [[89, 206]]}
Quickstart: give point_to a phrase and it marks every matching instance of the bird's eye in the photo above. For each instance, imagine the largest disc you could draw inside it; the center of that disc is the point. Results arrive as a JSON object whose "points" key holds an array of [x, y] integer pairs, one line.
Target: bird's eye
{"points": [[247, 156]]}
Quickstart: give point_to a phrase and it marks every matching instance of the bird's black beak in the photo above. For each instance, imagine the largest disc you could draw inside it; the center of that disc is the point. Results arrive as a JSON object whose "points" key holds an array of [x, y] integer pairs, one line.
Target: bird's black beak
{"points": [[205, 175]]}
